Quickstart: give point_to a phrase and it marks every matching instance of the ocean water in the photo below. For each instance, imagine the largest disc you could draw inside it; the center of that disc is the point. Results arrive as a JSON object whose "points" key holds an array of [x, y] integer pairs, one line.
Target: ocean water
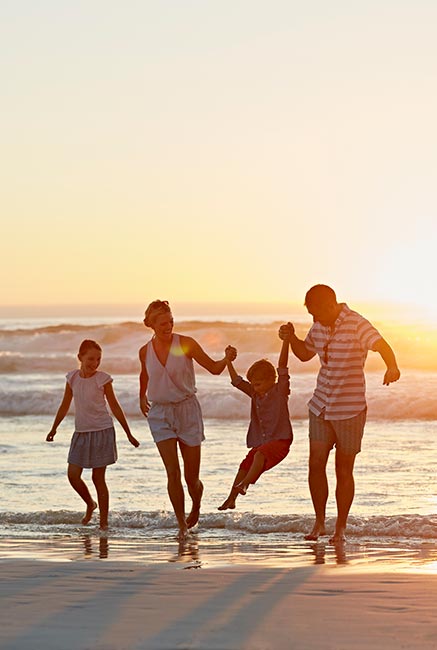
{"points": [[396, 478]]}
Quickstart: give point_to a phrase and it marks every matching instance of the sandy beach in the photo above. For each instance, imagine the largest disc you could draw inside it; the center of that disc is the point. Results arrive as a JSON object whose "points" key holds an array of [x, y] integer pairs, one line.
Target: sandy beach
{"points": [[93, 602]]}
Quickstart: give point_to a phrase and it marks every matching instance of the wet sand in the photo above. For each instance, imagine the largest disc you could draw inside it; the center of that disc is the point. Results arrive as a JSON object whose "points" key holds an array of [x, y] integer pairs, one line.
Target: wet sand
{"points": [[54, 597]]}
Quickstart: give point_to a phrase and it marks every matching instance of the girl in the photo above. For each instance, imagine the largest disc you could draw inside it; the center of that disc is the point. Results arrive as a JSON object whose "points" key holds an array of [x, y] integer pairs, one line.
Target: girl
{"points": [[93, 443], [175, 419]]}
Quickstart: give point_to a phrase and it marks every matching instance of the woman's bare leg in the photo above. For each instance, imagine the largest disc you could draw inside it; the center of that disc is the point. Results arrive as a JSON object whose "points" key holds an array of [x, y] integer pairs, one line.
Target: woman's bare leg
{"points": [[191, 457], [169, 454]]}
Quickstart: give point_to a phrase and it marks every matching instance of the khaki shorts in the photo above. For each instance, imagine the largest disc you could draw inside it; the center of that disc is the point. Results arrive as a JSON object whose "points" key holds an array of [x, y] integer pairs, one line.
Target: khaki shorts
{"points": [[346, 435], [180, 420]]}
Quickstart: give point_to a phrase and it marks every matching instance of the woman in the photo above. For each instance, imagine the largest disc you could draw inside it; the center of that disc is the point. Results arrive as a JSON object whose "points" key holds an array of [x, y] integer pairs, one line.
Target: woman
{"points": [[167, 379]]}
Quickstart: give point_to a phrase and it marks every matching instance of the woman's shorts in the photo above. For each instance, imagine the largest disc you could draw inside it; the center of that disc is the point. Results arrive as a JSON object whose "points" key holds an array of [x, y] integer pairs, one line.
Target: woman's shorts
{"points": [[273, 451], [180, 420], [346, 435], [93, 448]]}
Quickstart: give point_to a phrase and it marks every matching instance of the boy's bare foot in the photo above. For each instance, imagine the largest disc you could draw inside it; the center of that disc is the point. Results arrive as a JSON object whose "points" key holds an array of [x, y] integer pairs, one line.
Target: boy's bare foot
{"points": [[317, 531], [229, 504], [241, 488], [89, 513], [193, 517]]}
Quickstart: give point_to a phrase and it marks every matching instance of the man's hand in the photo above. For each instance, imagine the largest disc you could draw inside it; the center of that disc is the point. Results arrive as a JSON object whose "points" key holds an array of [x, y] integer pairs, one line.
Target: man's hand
{"points": [[391, 375], [286, 331]]}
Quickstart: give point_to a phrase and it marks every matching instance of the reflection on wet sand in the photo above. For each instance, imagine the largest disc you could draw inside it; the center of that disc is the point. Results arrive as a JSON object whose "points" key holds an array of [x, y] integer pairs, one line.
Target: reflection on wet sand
{"points": [[89, 546]]}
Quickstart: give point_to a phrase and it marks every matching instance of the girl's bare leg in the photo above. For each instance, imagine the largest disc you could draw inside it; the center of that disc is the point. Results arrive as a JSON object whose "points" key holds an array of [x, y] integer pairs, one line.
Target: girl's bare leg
{"points": [[191, 457], [75, 477], [102, 495], [169, 454], [229, 503]]}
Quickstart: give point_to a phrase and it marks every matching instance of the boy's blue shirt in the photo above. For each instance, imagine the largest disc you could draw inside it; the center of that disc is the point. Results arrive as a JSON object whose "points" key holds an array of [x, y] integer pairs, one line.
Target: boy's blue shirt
{"points": [[269, 416]]}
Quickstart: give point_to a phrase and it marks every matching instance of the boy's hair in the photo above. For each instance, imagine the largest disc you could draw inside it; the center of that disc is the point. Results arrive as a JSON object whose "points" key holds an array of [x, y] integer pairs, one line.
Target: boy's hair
{"points": [[88, 344], [262, 368], [154, 309]]}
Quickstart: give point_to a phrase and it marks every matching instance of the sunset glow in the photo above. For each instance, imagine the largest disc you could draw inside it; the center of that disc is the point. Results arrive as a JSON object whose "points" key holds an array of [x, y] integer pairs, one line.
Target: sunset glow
{"points": [[203, 154]]}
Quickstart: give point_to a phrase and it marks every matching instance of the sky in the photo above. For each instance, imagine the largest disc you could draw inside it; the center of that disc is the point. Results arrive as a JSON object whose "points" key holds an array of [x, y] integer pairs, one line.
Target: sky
{"points": [[218, 151]]}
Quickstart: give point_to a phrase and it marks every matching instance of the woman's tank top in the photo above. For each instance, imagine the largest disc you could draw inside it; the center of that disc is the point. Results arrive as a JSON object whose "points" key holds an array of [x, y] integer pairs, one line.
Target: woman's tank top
{"points": [[173, 382]]}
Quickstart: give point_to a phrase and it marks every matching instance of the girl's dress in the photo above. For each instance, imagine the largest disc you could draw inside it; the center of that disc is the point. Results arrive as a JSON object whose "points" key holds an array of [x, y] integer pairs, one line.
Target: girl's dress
{"points": [[93, 443]]}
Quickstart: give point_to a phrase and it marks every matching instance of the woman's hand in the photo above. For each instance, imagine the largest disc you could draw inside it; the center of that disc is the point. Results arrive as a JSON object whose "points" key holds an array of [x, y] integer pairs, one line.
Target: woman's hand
{"points": [[230, 353], [144, 406], [133, 441]]}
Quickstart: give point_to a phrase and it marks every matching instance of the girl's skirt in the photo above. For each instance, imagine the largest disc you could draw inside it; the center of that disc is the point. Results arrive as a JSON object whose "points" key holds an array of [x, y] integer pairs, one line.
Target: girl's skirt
{"points": [[93, 448]]}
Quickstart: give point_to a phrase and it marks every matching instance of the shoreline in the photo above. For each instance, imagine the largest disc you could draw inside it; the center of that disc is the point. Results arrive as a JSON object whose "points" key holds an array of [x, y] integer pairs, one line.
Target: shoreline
{"points": [[127, 605]]}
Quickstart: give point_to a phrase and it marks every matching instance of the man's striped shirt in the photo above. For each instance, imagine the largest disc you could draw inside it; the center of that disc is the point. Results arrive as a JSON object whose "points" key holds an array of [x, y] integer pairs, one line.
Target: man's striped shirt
{"points": [[341, 386]]}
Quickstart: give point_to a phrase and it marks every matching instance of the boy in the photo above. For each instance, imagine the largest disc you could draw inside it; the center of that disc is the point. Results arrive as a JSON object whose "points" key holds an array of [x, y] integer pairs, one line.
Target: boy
{"points": [[270, 434]]}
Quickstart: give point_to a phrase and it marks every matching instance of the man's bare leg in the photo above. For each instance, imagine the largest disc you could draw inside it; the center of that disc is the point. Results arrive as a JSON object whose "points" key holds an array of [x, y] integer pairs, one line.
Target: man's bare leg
{"points": [[169, 454], [191, 457], [75, 477], [344, 494], [318, 483], [229, 503]]}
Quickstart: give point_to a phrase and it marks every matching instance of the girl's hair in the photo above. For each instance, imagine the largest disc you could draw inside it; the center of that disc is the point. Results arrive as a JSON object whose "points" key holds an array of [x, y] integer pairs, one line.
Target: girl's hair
{"points": [[154, 309], [86, 345], [261, 368]]}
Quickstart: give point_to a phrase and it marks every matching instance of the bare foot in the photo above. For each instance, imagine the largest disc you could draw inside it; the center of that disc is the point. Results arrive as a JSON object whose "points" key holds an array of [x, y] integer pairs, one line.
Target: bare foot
{"points": [[241, 488], [338, 538], [182, 534], [229, 504], [193, 517], [317, 531], [89, 513]]}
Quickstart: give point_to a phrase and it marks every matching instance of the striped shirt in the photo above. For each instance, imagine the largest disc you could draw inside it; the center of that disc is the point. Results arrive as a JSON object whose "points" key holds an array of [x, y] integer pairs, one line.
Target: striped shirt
{"points": [[341, 386]]}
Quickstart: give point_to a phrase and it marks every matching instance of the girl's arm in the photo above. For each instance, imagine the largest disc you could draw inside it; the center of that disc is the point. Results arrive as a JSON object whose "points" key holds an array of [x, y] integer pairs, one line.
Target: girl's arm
{"points": [[62, 412], [193, 350], [118, 412], [144, 382]]}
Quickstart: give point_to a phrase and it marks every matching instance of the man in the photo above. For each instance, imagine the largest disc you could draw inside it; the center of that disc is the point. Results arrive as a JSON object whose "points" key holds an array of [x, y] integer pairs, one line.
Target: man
{"points": [[337, 409]]}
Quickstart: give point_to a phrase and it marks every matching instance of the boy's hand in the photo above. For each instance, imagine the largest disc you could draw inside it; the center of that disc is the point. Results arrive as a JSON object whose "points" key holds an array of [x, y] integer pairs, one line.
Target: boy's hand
{"points": [[285, 331], [133, 441], [50, 436], [231, 353]]}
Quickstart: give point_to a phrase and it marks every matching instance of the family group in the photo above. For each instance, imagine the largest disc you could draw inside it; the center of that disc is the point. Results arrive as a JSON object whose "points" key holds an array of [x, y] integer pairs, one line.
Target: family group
{"points": [[337, 409]]}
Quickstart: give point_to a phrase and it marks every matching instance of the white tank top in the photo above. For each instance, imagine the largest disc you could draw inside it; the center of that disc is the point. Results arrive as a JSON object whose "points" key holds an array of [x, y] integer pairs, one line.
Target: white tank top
{"points": [[173, 382]]}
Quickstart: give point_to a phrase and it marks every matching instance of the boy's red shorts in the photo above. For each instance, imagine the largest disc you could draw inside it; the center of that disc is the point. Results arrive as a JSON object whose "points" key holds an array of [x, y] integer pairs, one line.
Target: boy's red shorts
{"points": [[273, 451]]}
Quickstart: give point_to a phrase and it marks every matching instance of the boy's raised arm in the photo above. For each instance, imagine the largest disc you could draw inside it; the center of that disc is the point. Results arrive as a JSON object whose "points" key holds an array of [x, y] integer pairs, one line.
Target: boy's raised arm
{"points": [[284, 334]]}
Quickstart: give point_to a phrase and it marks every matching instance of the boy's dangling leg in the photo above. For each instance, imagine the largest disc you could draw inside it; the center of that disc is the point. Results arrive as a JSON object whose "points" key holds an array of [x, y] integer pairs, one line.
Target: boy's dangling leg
{"points": [[229, 503]]}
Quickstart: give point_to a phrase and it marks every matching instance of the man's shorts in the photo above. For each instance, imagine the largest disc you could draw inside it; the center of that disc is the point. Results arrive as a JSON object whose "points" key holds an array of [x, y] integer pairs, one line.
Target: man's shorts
{"points": [[346, 435], [273, 451], [180, 420]]}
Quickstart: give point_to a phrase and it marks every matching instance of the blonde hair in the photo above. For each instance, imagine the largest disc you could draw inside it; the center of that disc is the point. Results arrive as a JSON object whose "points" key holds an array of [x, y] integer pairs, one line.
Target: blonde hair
{"points": [[154, 309], [262, 368]]}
